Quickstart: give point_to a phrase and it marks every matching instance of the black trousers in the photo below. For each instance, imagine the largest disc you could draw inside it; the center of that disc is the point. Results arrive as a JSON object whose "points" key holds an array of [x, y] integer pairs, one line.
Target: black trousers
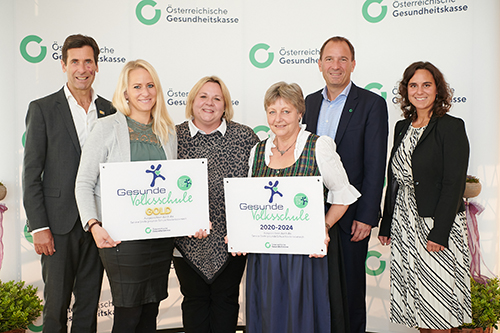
{"points": [[210, 307], [75, 268], [355, 261], [337, 284], [137, 319]]}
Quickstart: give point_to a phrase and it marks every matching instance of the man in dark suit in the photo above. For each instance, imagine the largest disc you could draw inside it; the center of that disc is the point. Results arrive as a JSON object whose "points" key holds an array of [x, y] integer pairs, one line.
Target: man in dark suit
{"points": [[357, 120], [56, 128]]}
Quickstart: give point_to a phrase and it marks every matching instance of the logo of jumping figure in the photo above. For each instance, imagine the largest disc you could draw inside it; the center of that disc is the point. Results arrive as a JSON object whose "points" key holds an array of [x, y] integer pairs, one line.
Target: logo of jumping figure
{"points": [[274, 190], [155, 173], [301, 200]]}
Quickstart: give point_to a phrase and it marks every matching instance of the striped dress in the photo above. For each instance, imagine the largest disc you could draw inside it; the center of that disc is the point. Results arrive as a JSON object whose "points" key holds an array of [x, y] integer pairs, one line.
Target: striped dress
{"points": [[428, 289]]}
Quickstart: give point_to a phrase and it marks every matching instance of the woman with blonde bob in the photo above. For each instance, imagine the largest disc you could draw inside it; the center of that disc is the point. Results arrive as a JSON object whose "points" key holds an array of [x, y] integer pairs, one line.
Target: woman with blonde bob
{"points": [[208, 276], [141, 130]]}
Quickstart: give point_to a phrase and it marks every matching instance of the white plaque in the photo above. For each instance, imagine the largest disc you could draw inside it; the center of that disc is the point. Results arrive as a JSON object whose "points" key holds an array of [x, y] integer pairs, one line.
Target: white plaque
{"points": [[154, 199], [275, 215]]}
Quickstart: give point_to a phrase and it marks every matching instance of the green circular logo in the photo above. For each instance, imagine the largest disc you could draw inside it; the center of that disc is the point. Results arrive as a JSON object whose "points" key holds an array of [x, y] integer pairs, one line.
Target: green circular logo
{"points": [[258, 64], [148, 230], [262, 128], [373, 19], [24, 52], [184, 183], [381, 267], [35, 328], [378, 86], [268, 245], [141, 18], [27, 234], [300, 200]]}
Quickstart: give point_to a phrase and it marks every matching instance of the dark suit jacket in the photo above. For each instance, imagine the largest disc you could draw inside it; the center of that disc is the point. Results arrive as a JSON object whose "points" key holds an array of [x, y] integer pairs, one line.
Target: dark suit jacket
{"points": [[51, 158], [439, 166], [362, 145]]}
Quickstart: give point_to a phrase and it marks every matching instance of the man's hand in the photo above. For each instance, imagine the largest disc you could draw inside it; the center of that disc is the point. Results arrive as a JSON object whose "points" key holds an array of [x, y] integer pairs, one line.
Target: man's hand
{"points": [[359, 231], [44, 242]]}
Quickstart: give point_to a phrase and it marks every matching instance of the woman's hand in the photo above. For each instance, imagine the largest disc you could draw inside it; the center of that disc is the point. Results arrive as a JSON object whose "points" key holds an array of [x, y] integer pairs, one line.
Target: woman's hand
{"points": [[384, 240], [327, 241], [434, 247], [334, 213], [102, 238], [202, 233], [234, 253]]}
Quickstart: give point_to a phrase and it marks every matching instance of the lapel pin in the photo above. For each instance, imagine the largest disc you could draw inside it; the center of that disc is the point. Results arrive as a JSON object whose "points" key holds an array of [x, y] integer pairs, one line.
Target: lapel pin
{"points": [[350, 110], [101, 112]]}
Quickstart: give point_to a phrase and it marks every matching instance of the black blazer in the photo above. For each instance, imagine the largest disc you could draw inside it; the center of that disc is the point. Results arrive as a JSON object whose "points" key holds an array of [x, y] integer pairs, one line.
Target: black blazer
{"points": [[439, 166], [51, 158], [361, 141]]}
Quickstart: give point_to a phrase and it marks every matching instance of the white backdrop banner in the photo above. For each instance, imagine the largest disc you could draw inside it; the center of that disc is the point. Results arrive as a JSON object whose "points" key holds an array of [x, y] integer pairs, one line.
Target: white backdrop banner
{"points": [[251, 45]]}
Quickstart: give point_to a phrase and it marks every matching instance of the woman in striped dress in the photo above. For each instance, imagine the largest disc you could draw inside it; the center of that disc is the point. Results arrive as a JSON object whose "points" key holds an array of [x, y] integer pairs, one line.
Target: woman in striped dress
{"points": [[424, 218]]}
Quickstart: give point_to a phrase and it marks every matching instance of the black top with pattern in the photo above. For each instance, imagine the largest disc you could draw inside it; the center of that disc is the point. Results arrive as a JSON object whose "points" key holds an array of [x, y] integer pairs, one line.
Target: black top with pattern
{"points": [[227, 156]]}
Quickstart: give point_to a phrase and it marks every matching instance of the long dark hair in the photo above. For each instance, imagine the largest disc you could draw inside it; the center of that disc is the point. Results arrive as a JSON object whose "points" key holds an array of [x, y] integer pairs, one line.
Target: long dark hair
{"points": [[442, 104]]}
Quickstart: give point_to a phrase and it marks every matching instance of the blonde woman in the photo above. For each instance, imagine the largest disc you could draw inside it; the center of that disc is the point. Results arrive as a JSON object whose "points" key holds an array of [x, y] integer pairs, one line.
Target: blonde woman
{"points": [[208, 276], [141, 130]]}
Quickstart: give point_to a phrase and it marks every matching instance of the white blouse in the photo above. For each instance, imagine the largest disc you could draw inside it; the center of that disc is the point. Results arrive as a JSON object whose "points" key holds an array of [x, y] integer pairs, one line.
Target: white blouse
{"points": [[340, 191]]}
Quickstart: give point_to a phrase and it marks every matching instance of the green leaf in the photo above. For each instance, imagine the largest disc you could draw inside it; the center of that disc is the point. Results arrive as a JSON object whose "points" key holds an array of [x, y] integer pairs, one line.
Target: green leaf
{"points": [[19, 305]]}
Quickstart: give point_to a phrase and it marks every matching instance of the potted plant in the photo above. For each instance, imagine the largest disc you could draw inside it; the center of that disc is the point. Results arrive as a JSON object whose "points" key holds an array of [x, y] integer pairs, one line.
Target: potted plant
{"points": [[472, 187], [19, 306], [485, 307]]}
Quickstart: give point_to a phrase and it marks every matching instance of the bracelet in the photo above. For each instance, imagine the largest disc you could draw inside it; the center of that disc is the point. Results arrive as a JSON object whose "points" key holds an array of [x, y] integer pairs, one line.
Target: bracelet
{"points": [[93, 224], [326, 225]]}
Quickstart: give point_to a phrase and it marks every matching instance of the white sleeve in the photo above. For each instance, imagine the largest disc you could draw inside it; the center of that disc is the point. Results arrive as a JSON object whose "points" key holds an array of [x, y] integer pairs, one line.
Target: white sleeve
{"points": [[334, 176], [250, 159]]}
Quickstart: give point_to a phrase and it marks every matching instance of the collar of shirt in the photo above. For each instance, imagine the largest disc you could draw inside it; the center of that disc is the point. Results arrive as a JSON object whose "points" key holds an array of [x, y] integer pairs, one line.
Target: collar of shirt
{"points": [[70, 97], [299, 144], [331, 112], [344, 92], [83, 121], [193, 129]]}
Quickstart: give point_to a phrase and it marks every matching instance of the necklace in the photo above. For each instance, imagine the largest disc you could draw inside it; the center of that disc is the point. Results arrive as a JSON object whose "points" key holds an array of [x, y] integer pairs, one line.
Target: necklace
{"points": [[282, 152]]}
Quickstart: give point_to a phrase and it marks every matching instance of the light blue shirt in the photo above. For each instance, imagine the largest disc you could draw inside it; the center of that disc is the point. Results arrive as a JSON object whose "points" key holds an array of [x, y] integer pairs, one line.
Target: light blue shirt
{"points": [[330, 112]]}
